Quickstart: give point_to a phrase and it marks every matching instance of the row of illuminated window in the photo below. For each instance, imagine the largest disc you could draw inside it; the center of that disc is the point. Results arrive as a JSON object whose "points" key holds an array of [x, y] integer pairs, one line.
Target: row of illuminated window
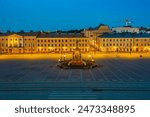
{"points": [[43, 45], [18, 39], [51, 40], [12, 39], [124, 40], [105, 45], [59, 49], [62, 40], [11, 45], [61, 45], [125, 49], [118, 49]]}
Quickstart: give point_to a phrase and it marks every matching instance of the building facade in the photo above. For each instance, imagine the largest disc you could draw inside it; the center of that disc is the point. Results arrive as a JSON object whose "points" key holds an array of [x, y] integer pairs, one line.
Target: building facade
{"points": [[92, 33], [125, 42], [126, 29], [65, 43], [42, 43]]}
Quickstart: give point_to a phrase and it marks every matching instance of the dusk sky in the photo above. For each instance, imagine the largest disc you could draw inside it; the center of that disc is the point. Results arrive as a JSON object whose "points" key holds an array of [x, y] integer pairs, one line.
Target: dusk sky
{"points": [[16, 15]]}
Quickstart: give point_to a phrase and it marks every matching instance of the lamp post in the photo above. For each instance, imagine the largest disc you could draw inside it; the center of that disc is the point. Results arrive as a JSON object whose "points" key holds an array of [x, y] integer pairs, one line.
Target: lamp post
{"points": [[31, 48], [0, 49], [130, 46]]}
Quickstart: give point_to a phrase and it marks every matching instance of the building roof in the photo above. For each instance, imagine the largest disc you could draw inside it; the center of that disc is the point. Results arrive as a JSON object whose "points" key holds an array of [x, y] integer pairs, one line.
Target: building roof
{"points": [[125, 35], [20, 33], [61, 35], [46, 35]]}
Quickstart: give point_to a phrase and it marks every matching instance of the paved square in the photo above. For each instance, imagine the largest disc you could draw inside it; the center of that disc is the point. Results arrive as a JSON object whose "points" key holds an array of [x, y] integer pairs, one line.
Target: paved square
{"points": [[112, 70], [118, 76]]}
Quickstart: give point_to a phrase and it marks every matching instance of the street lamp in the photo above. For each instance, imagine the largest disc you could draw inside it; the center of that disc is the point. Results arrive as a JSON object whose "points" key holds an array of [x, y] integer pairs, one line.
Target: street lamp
{"points": [[31, 48], [0, 49], [130, 46]]}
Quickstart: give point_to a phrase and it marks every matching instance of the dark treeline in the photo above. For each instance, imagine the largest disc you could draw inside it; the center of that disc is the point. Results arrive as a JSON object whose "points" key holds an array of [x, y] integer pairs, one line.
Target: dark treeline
{"points": [[58, 31]]}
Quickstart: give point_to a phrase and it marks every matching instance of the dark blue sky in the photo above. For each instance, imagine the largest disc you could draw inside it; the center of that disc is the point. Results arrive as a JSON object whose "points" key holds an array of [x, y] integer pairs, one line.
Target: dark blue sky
{"points": [[71, 14]]}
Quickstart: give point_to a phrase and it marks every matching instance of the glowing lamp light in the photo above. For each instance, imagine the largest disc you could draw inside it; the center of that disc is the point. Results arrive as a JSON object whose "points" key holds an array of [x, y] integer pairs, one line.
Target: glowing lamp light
{"points": [[90, 55], [92, 60]]}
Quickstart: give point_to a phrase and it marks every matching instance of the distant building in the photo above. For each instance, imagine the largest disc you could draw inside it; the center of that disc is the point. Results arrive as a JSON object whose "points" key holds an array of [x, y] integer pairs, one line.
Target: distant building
{"points": [[125, 42], [41, 43], [148, 31], [94, 32], [126, 29]]}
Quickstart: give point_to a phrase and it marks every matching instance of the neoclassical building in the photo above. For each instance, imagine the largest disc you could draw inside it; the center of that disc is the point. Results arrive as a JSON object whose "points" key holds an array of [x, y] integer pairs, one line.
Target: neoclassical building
{"points": [[41, 42], [12, 43], [124, 42]]}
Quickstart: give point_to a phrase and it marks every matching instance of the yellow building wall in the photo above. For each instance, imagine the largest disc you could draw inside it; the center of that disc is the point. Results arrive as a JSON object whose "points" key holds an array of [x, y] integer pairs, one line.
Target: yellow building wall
{"points": [[124, 44], [31, 44]]}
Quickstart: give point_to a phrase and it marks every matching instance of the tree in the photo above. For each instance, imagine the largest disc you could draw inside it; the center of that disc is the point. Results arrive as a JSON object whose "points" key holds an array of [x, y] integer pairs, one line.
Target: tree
{"points": [[8, 31]]}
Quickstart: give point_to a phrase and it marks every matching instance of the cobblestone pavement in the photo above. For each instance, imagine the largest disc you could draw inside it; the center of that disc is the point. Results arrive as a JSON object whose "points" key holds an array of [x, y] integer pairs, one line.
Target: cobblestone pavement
{"points": [[114, 70], [37, 79]]}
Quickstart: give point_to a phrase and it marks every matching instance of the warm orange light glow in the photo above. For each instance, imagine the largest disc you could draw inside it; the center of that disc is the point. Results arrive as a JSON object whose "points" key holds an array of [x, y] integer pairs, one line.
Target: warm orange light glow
{"points": [[90, 55]]}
